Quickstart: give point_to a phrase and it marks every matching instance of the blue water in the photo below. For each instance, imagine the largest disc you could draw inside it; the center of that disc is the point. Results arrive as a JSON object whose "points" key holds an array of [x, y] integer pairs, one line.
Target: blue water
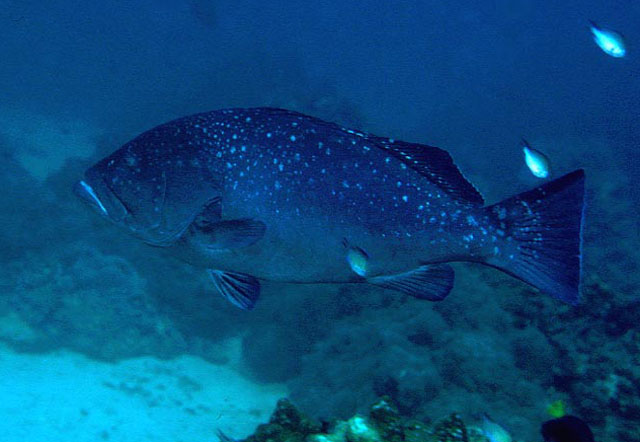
{"points": [[82, 78]]}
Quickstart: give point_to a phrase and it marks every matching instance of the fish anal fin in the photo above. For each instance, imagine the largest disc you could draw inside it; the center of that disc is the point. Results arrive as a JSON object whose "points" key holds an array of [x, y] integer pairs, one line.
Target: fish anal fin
{"points": [[430, 282], [240, 289], [436, 165]]}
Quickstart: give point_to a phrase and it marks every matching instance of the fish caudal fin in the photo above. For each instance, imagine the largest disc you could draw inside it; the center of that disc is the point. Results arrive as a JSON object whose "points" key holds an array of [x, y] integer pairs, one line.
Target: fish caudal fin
{"points": [[429, 282], [240, 289], [542, 236]]}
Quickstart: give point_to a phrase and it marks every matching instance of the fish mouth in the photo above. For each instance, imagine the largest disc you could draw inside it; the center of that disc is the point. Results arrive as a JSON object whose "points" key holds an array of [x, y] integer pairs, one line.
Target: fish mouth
{"points": [[85, 192]]}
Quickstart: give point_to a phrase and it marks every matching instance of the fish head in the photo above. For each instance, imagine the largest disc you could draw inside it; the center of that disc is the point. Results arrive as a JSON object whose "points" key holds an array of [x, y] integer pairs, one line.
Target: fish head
{"points": [[102, 200], [127, 203], [153, 199]]}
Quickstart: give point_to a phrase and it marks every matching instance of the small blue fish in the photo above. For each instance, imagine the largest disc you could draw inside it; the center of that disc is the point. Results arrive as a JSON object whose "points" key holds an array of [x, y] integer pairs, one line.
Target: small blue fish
{"points": [[611, 42], [264, 194], [536, 161]]}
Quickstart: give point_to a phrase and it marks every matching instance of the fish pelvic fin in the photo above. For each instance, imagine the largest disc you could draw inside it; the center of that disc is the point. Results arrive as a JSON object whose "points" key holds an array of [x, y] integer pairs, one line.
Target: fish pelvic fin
{"points": [[542, 236], [240, 289], [429, 282]]}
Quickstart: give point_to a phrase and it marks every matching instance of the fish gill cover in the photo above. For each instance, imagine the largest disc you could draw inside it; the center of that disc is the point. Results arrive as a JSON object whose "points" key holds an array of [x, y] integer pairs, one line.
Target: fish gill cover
{"points": [[84, 79]]}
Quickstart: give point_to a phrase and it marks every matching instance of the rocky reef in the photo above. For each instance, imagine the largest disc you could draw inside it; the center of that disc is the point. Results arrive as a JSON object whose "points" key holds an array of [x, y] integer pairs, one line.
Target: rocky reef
{"points": [[383, 422]]}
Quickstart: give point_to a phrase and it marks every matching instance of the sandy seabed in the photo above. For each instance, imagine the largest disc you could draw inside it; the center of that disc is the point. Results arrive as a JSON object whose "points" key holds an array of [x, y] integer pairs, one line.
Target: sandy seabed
{"points": [[64, 396]]}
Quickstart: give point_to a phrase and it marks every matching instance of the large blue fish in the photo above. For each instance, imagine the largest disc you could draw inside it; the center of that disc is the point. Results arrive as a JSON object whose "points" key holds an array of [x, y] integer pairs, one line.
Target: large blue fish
{"points": [[274, 195]]}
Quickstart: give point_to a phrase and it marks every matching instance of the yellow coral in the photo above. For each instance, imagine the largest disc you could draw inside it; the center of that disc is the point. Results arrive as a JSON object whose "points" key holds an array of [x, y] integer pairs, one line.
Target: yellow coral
{"points": [[556, 409]]}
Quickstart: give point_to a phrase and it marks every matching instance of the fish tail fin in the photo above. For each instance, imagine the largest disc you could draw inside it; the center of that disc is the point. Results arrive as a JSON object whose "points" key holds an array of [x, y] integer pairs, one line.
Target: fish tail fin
{"points": [[542, 236]]}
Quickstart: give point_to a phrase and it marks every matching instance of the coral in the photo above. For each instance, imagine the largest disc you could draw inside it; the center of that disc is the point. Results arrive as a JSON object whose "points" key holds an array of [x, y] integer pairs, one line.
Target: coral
{"points": [[432, 357], [451, 429], [286, 424], [383, 424], [360, 429], [94, 303]]}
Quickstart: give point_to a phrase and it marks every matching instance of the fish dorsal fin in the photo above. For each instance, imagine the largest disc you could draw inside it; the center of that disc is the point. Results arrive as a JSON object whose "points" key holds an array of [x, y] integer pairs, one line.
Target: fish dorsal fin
{"points": [[434, 164]]}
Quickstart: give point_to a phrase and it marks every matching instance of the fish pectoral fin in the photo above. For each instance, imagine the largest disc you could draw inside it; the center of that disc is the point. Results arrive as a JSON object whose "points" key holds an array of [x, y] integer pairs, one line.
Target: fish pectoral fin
{"points": [[230, 234], [240, 289], [211, 213], [430, 282]]}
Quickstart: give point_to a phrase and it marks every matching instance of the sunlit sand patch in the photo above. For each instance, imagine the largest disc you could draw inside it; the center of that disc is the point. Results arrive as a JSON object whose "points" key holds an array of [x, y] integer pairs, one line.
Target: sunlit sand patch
{"points": [[42, 143], [65, 396]]}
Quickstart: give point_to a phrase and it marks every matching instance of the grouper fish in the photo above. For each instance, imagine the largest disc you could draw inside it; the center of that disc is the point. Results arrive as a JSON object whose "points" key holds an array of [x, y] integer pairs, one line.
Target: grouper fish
{"points": [[266, 194]]}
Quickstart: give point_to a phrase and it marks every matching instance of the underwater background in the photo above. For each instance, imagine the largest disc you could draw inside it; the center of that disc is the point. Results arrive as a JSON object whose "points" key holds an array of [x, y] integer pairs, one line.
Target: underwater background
{"points": [[102, 338]]}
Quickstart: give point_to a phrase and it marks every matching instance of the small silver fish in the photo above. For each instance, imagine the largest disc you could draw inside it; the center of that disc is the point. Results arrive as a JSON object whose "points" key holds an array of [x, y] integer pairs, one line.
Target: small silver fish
{"points": [[611, 42], [536, 161]]}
